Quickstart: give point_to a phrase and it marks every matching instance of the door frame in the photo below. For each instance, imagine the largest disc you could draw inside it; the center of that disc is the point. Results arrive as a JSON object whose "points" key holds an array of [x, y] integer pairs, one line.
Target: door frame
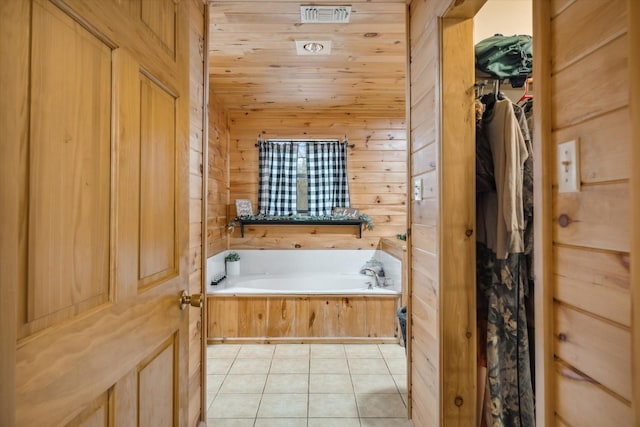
{"points": [[634, 122], [452, 117]]}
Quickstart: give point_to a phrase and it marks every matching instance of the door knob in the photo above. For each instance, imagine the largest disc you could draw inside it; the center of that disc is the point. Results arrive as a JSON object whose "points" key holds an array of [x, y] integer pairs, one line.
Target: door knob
{"points": [[194, 300]]}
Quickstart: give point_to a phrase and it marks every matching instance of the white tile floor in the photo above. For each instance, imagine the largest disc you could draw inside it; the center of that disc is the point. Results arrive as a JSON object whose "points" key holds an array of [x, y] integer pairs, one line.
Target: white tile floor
{"points": [[306, 385]]}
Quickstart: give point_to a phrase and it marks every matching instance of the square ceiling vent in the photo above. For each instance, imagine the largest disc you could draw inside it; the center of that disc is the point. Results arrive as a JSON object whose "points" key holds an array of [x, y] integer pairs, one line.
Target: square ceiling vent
{"points": [[325, 14]]}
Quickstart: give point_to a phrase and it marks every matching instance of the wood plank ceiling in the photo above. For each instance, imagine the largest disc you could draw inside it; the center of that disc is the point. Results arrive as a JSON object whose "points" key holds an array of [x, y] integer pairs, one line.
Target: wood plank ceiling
{"points": [[253, 64]]}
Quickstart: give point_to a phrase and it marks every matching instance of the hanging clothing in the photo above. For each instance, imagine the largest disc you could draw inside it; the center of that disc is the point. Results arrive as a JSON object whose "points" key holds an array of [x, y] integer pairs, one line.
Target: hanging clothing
{"points": [[502, 286], [504, 185], [503, 225]]}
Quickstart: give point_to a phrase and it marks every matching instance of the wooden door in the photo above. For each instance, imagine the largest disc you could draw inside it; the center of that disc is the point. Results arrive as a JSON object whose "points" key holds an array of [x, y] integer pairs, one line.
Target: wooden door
{"points": [[93, 189]]}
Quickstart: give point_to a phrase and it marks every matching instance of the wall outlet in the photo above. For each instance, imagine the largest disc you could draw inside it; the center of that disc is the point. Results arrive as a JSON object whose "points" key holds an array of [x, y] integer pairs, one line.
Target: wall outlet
{"points": [[568, 167], [417, 189]]}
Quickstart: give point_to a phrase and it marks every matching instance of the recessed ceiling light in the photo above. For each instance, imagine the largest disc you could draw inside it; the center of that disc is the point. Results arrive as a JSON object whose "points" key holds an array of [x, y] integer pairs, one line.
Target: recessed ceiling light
{"points": [[313, 47]]}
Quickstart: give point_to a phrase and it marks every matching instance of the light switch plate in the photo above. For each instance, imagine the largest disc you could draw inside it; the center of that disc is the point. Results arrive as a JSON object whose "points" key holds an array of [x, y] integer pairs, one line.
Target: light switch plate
{"points": [[568, 167], [417, 189]]}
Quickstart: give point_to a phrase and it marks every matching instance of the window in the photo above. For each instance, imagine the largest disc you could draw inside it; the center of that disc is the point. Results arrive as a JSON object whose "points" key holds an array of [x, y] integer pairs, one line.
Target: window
{"points": [[302, 177]]}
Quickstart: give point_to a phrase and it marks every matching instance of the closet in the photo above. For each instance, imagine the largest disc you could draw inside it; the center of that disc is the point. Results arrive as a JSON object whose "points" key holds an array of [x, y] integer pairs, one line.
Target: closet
{"points": [[504, 216]]}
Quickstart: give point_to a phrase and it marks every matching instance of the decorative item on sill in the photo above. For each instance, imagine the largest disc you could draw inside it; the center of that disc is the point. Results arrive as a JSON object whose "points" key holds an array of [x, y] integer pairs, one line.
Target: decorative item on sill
{"points": [[367, 221], [244, 208], [232, 261]]}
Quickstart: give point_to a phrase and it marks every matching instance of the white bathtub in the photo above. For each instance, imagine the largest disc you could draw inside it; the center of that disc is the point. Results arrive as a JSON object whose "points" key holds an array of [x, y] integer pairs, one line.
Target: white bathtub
{"points": [[305, 296], [301, 284], [304, 271]]}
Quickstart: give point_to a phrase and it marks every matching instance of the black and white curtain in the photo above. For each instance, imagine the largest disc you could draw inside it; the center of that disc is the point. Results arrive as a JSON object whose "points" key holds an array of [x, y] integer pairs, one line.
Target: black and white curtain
{"points": [[328, 183], [277, 178]]}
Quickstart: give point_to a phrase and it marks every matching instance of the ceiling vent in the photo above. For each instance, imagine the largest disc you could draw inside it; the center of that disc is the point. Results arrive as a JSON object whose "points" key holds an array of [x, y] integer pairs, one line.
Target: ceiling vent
{"points": [[325, 14]]}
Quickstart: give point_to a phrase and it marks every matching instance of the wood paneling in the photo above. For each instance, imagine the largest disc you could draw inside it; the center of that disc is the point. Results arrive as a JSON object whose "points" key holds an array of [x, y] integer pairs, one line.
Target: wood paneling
{"points": [[598, 349], [634, 110], [198, 133], [217, 178], [595, 281], [591, 260], [375, 189], [598, 217], [582, 402], [604, 152], [302, 318], [254, 65], [604, 71], [424, 314], [598, 26]]}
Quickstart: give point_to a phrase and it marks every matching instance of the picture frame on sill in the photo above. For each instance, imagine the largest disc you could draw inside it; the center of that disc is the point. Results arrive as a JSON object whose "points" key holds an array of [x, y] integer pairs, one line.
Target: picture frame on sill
{"points": [[244, 208]]}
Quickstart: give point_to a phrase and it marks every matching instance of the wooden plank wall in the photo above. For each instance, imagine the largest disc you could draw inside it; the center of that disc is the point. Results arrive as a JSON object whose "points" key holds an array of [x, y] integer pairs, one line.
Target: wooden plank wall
{"points": [[426, 341], [376, 170], [196, 139], [218, 178], [634, 97], [591, 284]]}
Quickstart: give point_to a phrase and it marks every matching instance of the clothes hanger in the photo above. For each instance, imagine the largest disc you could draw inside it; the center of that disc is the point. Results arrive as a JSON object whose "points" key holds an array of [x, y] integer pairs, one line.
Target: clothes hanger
{"points": [[526, 94]]}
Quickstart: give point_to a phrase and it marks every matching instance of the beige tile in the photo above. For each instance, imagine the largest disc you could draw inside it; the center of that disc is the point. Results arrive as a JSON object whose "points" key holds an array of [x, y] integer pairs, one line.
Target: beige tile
{"points": [[333, 422], [230, 422], [330, 383], [214, 382], [281, 422], [283, 406], [374, 384], [256, 351], [381, 406], [397, 366], [386, 422], [250, 366], [287, 383], [401, 382], [210, 397], [291, 351], [328, 351], [329, 366], [224, 351], [234, 406], [368, 366], [290, 366], [218, 366], [364, 351], [244, 383], [392, 351], [332, 406]]}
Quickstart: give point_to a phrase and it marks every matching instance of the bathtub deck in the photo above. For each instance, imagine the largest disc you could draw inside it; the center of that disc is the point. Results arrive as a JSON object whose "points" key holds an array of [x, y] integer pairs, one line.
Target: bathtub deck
{"points": [[302, 319]]}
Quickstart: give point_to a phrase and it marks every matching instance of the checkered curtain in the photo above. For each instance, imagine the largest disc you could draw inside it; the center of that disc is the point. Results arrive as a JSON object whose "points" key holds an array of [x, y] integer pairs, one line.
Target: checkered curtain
{"points": [[328, 183], [277, 178]]}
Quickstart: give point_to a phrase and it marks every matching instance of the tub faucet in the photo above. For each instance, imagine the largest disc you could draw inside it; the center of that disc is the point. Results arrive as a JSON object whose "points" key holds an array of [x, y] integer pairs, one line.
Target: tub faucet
{"points": [[379, 280]]}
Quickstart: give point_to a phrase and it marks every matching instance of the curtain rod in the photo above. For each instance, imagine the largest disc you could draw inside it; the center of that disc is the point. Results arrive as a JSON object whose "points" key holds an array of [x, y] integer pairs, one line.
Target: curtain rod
{"points": [[321, 140]]}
